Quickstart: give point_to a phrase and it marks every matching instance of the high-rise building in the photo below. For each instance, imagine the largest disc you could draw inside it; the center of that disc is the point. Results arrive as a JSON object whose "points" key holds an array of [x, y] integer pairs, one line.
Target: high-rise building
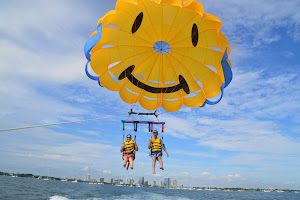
{"points": [[127, 181], [131, 181], [118, 181], [167, 182], [162, 183], [154, 184], [111, 180], [141, 180], [146, 183], [175, 183], [101, 180], [87, 177]]}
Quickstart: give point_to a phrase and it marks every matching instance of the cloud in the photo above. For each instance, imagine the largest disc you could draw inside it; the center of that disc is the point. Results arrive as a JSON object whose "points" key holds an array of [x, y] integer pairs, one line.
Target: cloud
{"points": [[85, 168], [194, 154], [107, 172], [288, 54]]}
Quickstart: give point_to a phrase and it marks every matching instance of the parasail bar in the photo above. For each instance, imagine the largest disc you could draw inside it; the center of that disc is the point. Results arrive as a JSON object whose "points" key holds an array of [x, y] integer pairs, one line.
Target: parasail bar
{"points": [[142, 122]]}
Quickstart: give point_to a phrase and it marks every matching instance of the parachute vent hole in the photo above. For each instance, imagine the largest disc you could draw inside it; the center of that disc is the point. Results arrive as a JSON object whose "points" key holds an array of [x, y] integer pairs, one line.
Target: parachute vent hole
{"points": [[215, 48], [171, 99], [137, 23], [170, 82], [114, 77], [195, 35], [154, 81], [154, 99], [215, 98], [131, 91], [107, 46], [140, 76], [91, 71], [113, 64], [199, 83], [211, 68], [192, 94], [112, 26]]}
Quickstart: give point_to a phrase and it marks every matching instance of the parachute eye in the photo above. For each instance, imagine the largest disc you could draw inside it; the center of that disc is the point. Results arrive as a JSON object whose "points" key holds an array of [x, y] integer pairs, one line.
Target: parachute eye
{"points": [[137, 23], [195, 35]]}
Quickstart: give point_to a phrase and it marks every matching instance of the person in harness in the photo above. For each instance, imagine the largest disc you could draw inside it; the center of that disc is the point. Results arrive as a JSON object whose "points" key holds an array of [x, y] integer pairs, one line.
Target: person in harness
{"points": [[128, 148], [156, 145]]}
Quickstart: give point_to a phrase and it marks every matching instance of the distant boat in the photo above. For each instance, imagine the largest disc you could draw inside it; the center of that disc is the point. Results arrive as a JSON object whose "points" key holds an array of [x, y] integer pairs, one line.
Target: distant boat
{"points": [[267, 190], [296, 192], [279, 191], [46, 179], [75, 181], [63, 180]]}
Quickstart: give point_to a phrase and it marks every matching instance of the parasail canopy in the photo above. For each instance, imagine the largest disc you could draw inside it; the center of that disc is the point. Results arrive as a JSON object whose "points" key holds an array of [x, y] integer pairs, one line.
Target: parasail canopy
{"points": [[165, 53]]}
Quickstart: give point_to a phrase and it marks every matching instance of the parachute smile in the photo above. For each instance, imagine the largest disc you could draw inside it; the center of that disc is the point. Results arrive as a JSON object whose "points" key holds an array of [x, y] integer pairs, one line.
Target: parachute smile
{"points": [[127, 73]]}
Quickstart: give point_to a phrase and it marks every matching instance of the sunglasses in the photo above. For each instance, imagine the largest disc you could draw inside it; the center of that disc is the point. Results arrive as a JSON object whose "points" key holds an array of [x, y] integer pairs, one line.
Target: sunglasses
{"points": [[128, 137]]}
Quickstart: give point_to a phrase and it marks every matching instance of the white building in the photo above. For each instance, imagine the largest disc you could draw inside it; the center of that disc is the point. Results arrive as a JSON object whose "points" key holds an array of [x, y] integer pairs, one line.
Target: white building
{"points": [[175, 183], [87, 177], [131, 181], [141, 180], [127, 180], [162, 183], [167, 182], [154, 184], [111, 180]]}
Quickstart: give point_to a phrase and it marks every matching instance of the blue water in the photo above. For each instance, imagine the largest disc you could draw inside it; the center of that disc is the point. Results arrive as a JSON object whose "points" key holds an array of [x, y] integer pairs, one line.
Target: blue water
{"points": [[29, 188]]}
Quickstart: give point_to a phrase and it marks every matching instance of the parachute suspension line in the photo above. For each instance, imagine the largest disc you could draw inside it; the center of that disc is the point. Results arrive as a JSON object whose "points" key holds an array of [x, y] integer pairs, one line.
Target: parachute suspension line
{"points": [[173, 77], [135, 130], [162, 134], [43, 125], [123, 130], [138, 113]]}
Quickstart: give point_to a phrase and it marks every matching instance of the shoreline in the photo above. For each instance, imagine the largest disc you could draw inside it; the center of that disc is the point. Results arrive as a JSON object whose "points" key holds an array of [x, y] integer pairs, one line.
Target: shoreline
{"points": [[134, 185]]}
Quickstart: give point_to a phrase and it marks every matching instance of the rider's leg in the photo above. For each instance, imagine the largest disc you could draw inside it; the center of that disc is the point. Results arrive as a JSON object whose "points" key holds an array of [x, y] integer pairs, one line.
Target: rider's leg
{"points": [[131, 162], [125, 160], [160, 162], [153, 163]]}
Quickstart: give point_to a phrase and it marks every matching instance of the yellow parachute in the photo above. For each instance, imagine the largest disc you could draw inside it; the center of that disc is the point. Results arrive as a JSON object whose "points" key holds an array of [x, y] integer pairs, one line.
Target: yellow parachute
{"points": [[160, 53]]}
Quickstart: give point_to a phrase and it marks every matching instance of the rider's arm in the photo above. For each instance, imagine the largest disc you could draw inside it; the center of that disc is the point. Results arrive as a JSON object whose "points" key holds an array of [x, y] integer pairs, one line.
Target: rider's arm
{"points": [[149, 144], [166, 152], [122, 147], [164, 148], [136, 146]]}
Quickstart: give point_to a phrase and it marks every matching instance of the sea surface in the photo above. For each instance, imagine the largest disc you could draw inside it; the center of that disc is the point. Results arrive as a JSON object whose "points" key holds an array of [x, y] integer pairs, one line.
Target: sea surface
{"points": [[29, 188]]}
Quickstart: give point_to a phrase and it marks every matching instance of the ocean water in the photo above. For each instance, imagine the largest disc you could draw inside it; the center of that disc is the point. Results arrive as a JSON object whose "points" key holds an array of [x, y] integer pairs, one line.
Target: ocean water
{"points": [[12, 188]]}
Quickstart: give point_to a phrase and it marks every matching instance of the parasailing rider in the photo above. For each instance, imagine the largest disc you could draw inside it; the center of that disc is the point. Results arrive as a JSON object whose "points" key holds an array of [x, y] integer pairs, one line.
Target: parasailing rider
{"points": [[128, 148], [156, 145]]}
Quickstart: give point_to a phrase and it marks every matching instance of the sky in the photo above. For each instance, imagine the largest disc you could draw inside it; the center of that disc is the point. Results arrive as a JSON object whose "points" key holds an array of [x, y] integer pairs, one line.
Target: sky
{"points": [[250, 139]]}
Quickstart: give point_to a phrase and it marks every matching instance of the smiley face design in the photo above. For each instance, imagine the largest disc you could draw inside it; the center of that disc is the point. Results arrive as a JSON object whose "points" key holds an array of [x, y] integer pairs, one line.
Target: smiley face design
{"points": [[165, 53]]}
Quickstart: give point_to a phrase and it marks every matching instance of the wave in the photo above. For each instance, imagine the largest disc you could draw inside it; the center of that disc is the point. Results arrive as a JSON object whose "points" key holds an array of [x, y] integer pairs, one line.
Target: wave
{"points": [[150, 196], [135, 196], [57, 197]]}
